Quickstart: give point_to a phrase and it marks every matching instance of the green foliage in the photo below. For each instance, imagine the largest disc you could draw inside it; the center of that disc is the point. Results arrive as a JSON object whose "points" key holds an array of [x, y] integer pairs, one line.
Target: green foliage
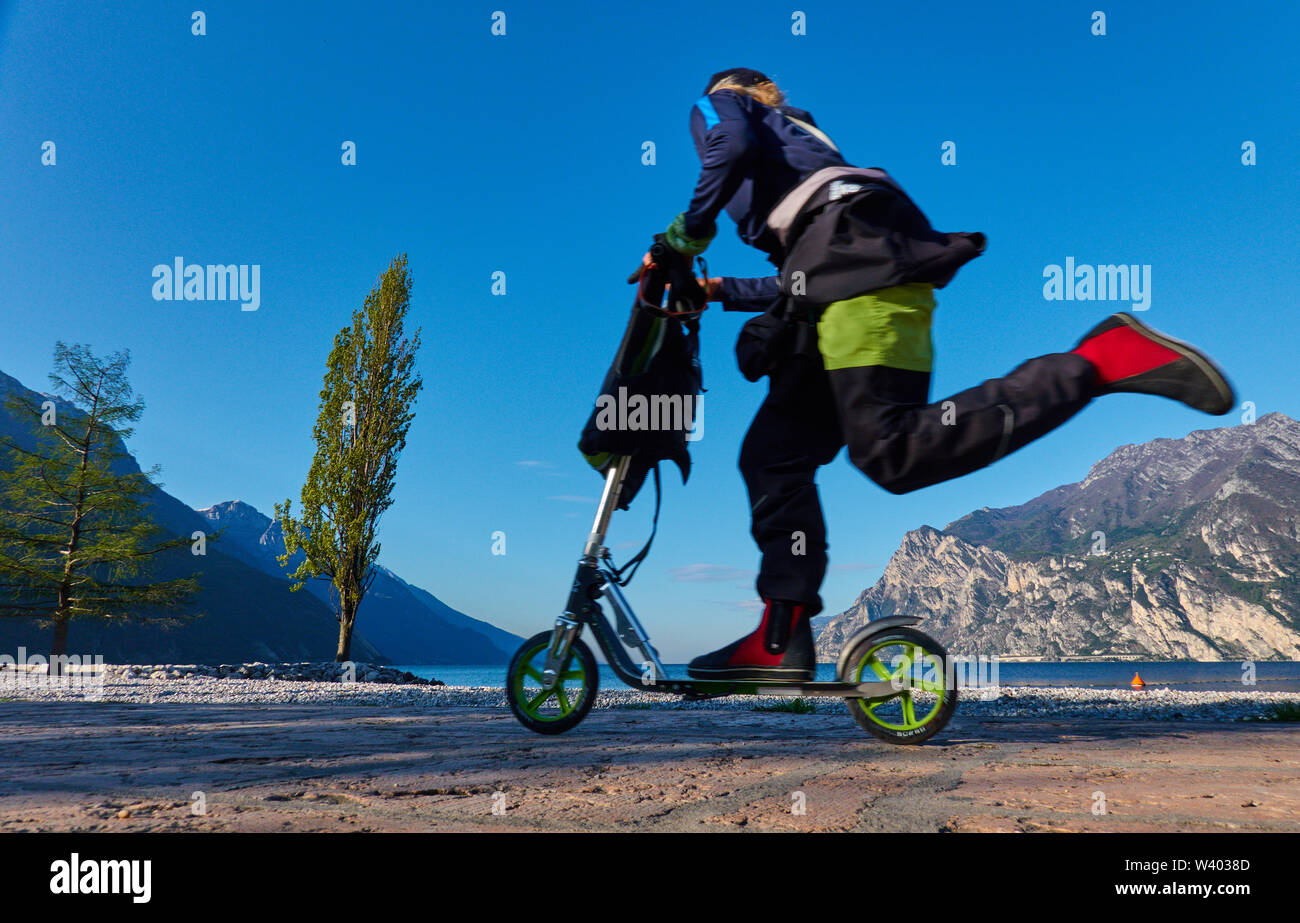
{"points": [[75, 537], [1283, 711], [370, 387], [796, 706]]}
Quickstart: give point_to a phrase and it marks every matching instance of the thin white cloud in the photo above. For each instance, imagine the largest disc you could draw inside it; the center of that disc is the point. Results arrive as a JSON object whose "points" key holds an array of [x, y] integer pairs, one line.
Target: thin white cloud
{"points": [[572, 498], [747, 606], [709, 573], [541, 468]]}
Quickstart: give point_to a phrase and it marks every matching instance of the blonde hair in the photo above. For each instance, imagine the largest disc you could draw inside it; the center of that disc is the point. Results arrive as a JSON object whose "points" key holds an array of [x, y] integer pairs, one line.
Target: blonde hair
{"points": [[767, 93]]}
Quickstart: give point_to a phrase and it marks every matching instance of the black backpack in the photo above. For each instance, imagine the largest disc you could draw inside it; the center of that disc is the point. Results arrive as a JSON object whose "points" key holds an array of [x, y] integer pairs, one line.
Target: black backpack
{"points": [[649, 400]]}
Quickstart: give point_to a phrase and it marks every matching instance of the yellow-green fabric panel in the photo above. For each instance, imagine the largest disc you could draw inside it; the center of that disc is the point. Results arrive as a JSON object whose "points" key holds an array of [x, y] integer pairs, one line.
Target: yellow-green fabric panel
{"points": [[890, 326]]}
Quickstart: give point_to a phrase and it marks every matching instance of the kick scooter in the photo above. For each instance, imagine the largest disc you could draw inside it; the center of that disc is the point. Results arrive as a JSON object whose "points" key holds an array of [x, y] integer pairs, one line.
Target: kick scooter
{"points": [[897, 681]]}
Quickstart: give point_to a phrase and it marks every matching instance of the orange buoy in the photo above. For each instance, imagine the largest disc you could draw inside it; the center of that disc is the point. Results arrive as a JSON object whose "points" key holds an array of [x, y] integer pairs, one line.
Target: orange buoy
{"points": [[1137, 682]]}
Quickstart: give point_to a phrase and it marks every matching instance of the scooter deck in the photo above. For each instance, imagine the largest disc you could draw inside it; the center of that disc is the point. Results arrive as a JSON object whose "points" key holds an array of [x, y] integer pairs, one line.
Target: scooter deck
{"points": [[713, 688]]}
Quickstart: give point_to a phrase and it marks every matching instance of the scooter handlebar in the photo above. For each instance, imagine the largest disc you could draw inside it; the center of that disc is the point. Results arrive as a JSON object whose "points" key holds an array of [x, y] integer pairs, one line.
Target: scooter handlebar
{"points": [[684, 290]]}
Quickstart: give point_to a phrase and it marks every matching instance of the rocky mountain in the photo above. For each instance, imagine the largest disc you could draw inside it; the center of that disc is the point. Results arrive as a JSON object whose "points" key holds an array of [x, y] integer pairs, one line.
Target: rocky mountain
{"points": [[1174, 549], [246, 615], [408, 624]]}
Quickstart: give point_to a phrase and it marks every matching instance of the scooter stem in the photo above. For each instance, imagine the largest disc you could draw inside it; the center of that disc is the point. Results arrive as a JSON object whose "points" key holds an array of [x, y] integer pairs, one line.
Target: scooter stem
{"points": [[608, 503]]}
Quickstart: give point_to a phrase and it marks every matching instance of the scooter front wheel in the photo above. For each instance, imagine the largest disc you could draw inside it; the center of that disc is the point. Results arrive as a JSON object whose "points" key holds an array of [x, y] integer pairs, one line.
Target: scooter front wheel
{"points": [[555, 710], [918, 667]]}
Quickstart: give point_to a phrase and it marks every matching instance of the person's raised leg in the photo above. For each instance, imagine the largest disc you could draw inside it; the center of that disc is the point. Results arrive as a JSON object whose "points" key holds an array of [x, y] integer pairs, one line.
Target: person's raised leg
{"points": [[905, 445]]}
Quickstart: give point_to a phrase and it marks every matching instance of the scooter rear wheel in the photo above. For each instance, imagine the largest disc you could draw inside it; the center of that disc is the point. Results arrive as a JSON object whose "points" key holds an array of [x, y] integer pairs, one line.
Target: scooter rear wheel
{"points": [[927, 693], [556, 710]]}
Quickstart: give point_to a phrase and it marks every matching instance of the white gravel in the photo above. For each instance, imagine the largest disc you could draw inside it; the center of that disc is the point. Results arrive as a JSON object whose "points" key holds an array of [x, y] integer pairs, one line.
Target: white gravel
{"points": [[1004, 702]]}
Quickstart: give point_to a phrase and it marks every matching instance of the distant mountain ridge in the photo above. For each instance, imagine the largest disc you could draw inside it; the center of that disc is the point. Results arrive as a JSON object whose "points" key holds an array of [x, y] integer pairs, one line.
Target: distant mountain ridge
{"points": [[408, 624], [248, 615], [1174, 549], [250, 612]]}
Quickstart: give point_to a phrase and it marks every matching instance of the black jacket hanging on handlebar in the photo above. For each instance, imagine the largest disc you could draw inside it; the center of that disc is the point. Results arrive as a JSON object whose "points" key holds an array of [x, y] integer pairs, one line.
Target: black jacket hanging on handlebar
{"points": [[649, 402]]}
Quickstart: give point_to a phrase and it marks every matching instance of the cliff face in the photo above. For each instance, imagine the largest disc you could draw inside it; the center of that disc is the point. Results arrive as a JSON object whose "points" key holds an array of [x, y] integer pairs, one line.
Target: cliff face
{"points": [[1177, 548]]}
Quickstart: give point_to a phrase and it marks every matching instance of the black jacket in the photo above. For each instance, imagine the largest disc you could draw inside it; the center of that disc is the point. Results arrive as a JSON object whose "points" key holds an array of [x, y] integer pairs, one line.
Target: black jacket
{"points": [[861, 232]]}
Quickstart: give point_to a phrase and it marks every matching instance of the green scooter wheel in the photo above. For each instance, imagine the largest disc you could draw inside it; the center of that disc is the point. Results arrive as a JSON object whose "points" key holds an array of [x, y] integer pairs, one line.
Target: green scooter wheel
{"points": [[556, 710], [918, 666]]}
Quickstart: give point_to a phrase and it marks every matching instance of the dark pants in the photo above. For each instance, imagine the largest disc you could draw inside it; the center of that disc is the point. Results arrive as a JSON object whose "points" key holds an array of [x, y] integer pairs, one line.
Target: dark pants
{"points": [[894, 436]]}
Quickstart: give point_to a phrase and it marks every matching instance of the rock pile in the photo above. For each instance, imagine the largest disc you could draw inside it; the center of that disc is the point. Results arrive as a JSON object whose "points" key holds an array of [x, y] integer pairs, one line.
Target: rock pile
{"points": [[294, 672]]}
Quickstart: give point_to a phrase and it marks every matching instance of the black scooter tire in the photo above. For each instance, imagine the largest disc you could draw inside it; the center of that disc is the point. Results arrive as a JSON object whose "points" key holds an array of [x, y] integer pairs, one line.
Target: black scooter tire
{"points": [[529, 717], [936, 722]]}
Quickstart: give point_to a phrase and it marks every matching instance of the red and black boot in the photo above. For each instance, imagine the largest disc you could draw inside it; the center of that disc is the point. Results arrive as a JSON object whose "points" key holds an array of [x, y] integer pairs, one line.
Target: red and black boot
{"points": [[1130, 356], [781, 648]]}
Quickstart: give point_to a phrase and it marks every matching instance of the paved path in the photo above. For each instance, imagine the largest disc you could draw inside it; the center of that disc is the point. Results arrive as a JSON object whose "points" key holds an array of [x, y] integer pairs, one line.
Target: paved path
{"points": [[83, 765]]}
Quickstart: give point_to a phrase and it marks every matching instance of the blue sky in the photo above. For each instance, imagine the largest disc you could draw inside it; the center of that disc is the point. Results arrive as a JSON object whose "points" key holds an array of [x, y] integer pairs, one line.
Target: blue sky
{"points": [[522, 153]]}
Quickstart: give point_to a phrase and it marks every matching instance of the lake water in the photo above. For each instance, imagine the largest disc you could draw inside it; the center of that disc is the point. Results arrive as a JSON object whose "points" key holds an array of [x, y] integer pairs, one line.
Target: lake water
{"points": [[1207, 677]]}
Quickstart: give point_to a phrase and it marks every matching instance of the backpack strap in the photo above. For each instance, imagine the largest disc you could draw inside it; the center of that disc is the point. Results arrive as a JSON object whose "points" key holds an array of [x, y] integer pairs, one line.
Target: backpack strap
{"points": [[635, 561], [814, 131]]}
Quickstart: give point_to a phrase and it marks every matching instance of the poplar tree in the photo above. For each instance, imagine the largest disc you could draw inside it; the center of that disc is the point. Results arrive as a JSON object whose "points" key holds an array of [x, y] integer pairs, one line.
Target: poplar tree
{"points": [[76, 539], [370, 387]]}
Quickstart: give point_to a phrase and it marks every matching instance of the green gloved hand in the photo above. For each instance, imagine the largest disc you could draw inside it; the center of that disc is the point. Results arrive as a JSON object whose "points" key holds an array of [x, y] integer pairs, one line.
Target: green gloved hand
{"points": [[678, 239]]}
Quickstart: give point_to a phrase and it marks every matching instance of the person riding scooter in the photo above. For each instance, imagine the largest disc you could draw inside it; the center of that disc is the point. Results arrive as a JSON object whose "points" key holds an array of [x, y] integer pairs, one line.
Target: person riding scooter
{"points": [[858, 264]]}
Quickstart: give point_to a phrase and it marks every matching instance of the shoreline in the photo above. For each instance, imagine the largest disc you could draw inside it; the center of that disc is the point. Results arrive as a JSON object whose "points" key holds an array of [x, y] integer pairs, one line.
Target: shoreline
{"points": [[131, 687]]}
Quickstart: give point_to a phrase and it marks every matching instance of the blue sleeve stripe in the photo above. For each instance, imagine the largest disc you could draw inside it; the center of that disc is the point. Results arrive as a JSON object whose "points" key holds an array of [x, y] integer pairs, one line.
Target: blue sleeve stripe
{"points": [[710, 114]]}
